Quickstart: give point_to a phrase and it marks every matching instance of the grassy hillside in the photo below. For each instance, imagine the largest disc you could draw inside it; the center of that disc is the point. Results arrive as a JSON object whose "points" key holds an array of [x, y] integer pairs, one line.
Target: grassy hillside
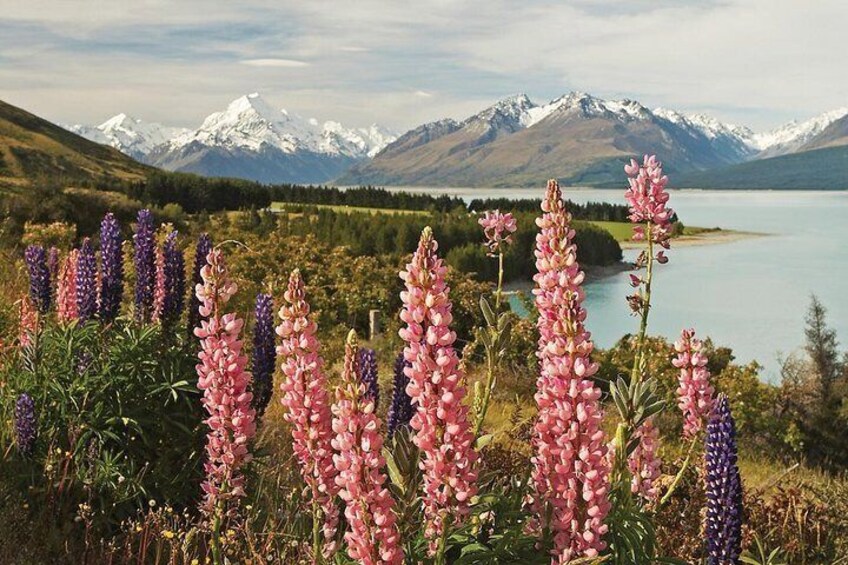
{"points": [[32, 148], [822, 169]]}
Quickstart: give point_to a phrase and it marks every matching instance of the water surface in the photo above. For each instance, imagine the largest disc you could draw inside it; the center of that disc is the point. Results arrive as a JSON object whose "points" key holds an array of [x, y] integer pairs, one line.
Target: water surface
{"points": [[750, 295]]}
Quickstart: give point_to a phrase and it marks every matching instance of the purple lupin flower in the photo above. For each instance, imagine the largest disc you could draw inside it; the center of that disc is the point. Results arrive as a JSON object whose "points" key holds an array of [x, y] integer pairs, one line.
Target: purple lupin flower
{"points": [[86, 282], [26, 425], [53, 264], [204, 246], [111, 267], [174, 271], [264, 353], [723, 488], [39, 278], [401, 409], [367, 365], [145, 266]]}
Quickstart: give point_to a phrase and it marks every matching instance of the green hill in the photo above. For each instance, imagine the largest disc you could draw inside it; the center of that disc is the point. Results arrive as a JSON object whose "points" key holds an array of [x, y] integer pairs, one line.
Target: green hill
{"points": [[821, 169], [32, 148]]}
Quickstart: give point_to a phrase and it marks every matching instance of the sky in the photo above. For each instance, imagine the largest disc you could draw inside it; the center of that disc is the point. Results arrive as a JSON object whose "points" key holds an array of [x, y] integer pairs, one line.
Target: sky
{"points": [[401, 63]]}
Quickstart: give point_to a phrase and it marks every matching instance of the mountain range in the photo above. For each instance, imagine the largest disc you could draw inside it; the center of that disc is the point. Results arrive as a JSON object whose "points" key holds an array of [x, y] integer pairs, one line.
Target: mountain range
{"points": [[249, 139], [577, 138]]}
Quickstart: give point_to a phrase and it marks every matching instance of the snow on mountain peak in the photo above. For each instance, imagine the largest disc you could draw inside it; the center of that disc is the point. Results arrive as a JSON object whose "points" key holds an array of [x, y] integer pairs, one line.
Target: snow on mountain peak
{"points": [[129, 135], [793, 135]]}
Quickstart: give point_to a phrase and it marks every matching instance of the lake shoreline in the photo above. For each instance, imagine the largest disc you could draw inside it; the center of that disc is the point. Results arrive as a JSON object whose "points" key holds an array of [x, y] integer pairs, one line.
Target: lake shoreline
{"points": [[709, 237]]}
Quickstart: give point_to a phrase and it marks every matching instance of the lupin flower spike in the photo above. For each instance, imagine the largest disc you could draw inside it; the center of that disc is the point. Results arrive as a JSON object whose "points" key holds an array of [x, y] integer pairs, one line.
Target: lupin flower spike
{"points": [[570, 466], [372, 537], [145, 266], [112, 269], [695, 393], [436, 387], [86, 282], [39, 278]]}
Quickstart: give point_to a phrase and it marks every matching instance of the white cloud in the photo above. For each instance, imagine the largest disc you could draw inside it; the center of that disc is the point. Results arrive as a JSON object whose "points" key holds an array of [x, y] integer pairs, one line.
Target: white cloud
{"points": [[423, 94], [286, 63]]}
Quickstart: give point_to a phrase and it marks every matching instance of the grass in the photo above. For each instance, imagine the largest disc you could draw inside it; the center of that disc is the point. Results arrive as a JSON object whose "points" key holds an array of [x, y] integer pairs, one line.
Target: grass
{"points": [[280, 206], [623, 231]]}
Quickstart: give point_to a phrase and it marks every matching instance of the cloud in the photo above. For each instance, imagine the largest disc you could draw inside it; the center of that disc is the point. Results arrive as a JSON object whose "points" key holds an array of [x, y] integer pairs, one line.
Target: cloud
{"points": [[756, 62], [287, 63]]}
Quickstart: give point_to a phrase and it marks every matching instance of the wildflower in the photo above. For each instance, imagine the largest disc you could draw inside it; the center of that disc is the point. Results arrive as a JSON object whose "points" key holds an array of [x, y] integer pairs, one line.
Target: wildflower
{"points": [[204, 246], [644, 463], [367, 364], [66, 288], [28, 322], [401, 409], [647, 198], [26, 425], [440, 422], [264, 353], [723, 488], [158, 285], [53, 263], [224, 381], [498, 229], [39, 278], [168, 534], [307, 407], [145, 266], [695, 393], [86, 282], [570, 466], [173, 281], [112, 268], [372, 535]]}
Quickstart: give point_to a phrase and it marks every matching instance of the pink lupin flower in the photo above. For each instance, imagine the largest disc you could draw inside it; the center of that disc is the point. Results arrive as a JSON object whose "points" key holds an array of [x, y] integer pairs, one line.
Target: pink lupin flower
{"points": [[440, 422], [647, 197], [695, 393], [66, 290], [498, 229], [570, 466], [372, 535], [159, 286], [224, 381], [27, 322], [644, 463], [307, 406]]}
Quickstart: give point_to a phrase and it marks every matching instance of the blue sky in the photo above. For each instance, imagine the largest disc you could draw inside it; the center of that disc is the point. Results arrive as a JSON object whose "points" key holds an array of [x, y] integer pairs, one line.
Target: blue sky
{"points": [[402, 63]]}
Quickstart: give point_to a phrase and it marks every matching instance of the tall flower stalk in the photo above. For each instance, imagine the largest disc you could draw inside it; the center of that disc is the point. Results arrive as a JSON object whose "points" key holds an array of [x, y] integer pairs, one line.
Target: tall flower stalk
{"points": [[307, 410], [372, 536], [367, 365], [647, 198], [86, 282], [497, 230], [144, 259], [111, 268], [264, 353], [26, 425], [224, 380], [202, 249], [401, 409], [174, 283], [40, 292], [66, 289], [442, 430], [694, 396], [570, 468], [723, 527], [644, 462]]}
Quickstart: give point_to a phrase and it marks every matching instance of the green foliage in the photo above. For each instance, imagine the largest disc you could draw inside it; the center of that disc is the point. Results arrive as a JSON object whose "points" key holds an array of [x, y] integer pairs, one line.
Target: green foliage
{"points": [[118, 418]]}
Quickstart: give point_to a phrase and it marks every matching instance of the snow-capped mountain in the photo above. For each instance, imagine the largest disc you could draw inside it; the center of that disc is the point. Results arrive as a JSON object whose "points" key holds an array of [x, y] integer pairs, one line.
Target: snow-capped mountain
{"points": [[791, 137], [129, 135], [575, 137], [248, 139]]}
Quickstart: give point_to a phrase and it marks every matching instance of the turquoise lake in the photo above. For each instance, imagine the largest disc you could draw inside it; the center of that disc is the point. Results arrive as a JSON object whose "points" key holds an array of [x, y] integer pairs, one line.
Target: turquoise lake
{"points": [[750, 294]]}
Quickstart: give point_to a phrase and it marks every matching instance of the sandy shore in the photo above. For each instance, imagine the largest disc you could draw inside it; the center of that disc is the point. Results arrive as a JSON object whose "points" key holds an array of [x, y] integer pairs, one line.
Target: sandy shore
{"points": [[711, 237]]}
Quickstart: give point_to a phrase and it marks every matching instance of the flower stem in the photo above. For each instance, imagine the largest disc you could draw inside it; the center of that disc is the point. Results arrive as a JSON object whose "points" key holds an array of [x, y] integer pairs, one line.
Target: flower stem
{"points": [[680, 473], [494, 334], [316, 531], [640, 361]]}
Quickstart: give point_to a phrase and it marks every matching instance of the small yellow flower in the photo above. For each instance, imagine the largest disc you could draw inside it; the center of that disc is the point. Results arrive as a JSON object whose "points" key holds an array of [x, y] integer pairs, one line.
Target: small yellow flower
{"points": [[168, 534], [195, 562], [138, 528]]}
